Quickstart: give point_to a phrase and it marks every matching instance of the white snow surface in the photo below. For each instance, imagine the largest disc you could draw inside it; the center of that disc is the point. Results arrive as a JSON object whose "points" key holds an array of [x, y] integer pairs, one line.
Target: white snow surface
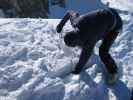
{"points": [[31, 48], [121, 4]]}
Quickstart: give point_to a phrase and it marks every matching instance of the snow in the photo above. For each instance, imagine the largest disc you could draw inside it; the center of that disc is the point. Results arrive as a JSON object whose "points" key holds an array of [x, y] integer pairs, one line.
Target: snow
{"points": [[31, 48], [120, 4]]}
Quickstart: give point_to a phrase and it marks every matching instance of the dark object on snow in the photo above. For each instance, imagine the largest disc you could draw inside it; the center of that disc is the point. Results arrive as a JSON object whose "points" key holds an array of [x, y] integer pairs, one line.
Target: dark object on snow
{"points": [[103, 24]]}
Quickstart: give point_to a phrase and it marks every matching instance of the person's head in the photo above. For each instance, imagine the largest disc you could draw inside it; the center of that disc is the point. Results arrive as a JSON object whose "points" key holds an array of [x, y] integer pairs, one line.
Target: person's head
{"points": [[72, 39]]}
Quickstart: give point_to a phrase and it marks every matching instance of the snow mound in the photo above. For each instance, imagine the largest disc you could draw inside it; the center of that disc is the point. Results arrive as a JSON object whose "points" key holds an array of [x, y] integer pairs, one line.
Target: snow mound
{"points": [[120, 4]]}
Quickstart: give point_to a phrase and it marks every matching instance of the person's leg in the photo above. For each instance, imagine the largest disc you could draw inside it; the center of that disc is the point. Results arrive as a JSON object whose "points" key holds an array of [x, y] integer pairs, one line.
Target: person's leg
{"points": [[104, 52]]}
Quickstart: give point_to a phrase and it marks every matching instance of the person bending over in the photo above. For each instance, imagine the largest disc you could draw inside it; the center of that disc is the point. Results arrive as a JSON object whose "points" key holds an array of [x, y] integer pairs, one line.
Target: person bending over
{"points": [[102, 24]]}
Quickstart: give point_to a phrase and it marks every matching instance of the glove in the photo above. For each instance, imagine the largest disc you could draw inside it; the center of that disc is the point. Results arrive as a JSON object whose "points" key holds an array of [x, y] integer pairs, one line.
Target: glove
{"points": [[76, 71], [59, 28]]}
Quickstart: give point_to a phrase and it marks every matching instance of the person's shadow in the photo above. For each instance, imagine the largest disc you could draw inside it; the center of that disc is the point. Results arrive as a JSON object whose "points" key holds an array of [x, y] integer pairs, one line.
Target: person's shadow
{"points": [[101, 91]]}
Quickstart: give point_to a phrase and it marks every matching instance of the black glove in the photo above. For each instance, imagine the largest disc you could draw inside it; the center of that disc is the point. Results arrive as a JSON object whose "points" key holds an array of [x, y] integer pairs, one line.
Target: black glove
{"points": [[59, 28], [77, 71]]}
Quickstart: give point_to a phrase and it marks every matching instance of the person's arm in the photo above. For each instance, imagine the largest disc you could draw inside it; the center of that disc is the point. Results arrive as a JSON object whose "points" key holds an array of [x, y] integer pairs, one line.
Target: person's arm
{"points": [[85, 54], [67, 16]]}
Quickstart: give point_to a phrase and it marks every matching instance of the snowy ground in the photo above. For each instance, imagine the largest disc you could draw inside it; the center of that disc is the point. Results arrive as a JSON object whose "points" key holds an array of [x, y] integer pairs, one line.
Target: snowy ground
{"points": [[30, 48], [121, 4]]}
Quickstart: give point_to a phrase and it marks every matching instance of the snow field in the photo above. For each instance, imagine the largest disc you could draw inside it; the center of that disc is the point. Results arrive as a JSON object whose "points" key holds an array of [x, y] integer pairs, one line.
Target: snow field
{"points": [[30, 48]]}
